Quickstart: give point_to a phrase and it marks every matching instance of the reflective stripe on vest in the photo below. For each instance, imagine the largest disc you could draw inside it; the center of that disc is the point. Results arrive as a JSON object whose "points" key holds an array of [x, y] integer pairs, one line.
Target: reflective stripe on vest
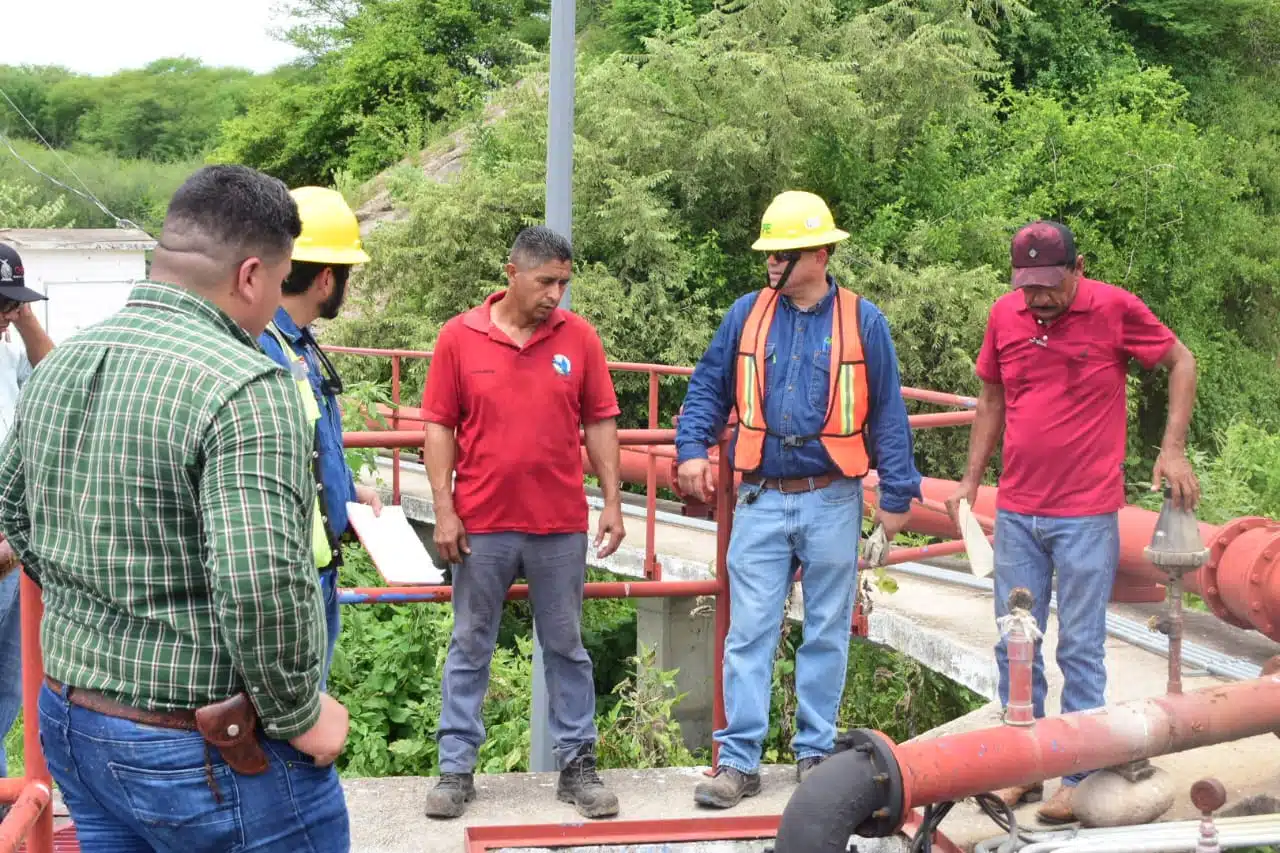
{"points": [[842, 433], [320, 547]]}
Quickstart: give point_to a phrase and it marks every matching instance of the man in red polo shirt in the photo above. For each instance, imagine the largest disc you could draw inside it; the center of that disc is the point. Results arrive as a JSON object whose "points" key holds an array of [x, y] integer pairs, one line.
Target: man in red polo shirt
{"points": [[1053, 367], [510, 383]]}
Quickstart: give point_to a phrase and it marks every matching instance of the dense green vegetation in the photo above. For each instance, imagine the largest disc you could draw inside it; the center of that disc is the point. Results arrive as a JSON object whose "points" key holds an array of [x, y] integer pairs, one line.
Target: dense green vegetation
{"points": [[933, 128]]}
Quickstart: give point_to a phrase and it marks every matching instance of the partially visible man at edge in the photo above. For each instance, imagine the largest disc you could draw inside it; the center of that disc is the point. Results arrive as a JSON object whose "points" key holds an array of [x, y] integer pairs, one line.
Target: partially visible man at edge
{"points": [[316, 287], [515, 378], [157, 485], [17, 361], [1053, 366]]}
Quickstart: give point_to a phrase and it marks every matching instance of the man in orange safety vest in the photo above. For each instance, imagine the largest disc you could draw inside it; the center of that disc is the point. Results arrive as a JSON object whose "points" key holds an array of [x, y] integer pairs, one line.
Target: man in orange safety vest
{"points": [[811, 371]]}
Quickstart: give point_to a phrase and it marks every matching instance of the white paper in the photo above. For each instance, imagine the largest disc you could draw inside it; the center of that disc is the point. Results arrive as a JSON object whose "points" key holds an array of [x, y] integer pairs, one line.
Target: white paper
{"points": [[981, 558], [394, 546]]}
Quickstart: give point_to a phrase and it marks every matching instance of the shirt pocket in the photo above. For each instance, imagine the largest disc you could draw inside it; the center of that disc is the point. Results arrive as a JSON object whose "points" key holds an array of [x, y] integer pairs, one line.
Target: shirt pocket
{"points": [[820, 380]]}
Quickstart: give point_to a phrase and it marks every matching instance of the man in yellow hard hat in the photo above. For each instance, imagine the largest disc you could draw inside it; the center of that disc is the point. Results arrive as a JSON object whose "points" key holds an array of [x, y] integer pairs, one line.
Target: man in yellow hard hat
{"points": [[811, 371], [322, 259]]}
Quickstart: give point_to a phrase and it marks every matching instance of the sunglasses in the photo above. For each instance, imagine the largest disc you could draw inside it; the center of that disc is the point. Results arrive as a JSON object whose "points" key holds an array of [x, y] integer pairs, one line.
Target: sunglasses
{"points": [[8, 305], [787, 257]]}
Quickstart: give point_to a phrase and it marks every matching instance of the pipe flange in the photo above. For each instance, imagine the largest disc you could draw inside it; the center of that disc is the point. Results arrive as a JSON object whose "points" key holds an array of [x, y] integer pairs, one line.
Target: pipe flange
{"points": [[1208, 574], [888, 817]]}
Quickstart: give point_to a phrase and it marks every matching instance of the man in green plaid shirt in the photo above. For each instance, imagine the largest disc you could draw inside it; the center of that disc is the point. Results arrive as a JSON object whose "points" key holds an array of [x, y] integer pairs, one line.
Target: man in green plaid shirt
{"points": [[157, 485]]}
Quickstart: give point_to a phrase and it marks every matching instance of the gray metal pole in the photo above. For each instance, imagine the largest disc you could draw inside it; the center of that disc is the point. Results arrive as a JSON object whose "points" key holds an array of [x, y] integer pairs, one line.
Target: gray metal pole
{"points": [[560, 219]]}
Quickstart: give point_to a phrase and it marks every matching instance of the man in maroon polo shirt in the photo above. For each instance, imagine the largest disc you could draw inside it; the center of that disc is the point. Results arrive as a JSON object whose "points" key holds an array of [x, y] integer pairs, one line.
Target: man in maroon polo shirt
{"points": [[510, 383], [1053, 367]]}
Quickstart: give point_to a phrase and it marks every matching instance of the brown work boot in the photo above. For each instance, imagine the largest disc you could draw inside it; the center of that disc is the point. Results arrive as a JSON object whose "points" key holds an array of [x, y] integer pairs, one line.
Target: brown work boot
{"points": [[581, 785], [805, 766], [727, 788], [451, 794], [1058, 809], [1019, 794]]}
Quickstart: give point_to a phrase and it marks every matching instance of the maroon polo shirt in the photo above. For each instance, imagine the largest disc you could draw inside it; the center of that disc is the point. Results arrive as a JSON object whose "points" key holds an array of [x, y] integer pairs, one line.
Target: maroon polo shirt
{"points": [[517, 411], [1064, 391]]}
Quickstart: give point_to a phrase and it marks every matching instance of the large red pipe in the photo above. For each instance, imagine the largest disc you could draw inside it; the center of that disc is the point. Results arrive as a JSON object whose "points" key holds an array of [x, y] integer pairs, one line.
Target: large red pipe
{"points": [[962, 765]]}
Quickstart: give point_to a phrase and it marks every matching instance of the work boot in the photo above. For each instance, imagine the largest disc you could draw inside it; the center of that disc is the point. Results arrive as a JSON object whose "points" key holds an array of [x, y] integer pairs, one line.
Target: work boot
{"points": [[805, 766], [451, 794], [727, 788], [581, 785], [1058, 809], [1019, 794]]}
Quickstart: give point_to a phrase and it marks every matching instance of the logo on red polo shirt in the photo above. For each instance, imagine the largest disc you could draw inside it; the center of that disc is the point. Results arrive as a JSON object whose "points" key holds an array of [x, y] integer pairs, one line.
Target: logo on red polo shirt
{"points": [[562, 364]]}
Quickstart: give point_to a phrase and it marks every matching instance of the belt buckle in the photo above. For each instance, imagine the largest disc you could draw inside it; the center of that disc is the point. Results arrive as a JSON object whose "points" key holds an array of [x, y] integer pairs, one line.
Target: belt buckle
{"points": [[812, 487]]}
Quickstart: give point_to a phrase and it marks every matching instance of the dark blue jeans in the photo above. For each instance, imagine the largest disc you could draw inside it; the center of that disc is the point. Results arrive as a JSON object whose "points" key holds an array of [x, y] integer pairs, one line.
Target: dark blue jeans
{"points": [[132, 788], [1084, 553], [10, 660]]}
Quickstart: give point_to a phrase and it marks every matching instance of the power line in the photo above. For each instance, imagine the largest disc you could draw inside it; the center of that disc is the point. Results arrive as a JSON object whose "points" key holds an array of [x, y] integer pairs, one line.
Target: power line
{"points": [[87, 194]]}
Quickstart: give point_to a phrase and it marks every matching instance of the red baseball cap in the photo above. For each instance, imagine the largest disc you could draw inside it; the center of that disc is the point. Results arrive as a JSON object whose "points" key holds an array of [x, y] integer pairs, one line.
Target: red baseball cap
{"points": [[1043, 252]]}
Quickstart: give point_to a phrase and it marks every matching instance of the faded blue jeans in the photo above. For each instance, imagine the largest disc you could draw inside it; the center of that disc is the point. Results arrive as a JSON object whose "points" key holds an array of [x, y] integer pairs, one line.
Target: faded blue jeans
{"points": [[556, 567], [132, 788], [10, 660], [774, 535], [1085, 552]]}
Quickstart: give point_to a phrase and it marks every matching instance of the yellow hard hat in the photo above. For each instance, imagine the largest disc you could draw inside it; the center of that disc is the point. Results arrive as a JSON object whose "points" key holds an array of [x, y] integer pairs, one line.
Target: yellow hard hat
{"points": [[797, 220], [330, 232]]}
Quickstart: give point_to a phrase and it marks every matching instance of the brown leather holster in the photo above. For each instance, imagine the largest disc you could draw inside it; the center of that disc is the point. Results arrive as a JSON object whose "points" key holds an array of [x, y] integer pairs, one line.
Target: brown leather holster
{"points": [[232, 727]]}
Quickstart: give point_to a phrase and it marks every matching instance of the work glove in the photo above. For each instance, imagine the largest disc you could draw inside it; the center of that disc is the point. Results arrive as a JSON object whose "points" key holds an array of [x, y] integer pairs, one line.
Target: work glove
{"points": [[876, 547]]}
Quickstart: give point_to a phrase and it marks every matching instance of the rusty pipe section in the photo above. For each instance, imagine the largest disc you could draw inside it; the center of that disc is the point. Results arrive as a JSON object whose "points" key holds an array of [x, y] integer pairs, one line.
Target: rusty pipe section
{"points": [[963, 765], [22, 817]]}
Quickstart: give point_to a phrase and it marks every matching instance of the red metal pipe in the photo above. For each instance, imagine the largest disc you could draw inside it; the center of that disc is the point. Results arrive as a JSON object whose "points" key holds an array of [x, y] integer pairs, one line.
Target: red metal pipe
{"points": [[651, 568], [962, 765], [21, 821], [517, 592], [391, 438], [942, 398], [40, 833]]}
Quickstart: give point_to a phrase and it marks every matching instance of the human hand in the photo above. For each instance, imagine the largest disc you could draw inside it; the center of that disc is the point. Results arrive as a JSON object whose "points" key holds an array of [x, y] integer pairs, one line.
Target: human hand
{"points": [[967, 490], [325, 739], [893, 522], [8, 558], [1175, 467], [611, 526], [368, 496], [695, 479], [450, 537]]}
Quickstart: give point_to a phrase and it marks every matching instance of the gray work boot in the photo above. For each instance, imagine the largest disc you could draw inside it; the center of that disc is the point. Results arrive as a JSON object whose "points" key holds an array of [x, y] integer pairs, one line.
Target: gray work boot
{"points": [[582, 786], [805, 766], [727, 788], [451, 794]]}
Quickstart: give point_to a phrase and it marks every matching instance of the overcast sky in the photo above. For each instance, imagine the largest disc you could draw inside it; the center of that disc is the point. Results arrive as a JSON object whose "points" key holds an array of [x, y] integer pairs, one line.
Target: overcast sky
{"points": [[98, 37]]}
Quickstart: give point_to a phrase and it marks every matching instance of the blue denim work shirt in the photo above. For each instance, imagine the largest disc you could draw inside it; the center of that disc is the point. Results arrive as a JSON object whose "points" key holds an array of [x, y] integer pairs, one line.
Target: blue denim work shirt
{"points": [[797, 377], [339, 486]]}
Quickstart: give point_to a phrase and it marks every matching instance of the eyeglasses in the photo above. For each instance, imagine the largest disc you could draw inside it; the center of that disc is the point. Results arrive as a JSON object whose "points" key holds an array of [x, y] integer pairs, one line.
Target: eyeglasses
{"points": [[7, 305]]}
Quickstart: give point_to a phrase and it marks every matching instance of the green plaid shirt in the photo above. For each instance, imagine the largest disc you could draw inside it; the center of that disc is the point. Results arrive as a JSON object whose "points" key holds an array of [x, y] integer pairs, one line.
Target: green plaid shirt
{"points": [[157, 484]]}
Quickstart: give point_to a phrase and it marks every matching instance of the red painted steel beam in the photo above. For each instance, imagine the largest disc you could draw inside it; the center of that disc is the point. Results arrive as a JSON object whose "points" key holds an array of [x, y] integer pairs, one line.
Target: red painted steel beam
{"points": [[962, 765]]}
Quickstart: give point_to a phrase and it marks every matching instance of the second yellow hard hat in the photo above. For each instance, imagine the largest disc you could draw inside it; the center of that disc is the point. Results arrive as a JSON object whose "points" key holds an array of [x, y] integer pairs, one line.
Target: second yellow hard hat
{"points": [[330, 231], [797, 220]]}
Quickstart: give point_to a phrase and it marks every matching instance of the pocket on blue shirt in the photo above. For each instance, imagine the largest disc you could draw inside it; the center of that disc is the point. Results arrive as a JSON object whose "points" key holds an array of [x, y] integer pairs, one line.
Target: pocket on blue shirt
{"points": [[820, 381]]}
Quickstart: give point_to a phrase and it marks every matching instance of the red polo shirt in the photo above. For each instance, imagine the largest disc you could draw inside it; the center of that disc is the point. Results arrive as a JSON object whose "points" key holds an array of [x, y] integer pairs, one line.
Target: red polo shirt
{"points": [[517, 411], [1064, 391]]}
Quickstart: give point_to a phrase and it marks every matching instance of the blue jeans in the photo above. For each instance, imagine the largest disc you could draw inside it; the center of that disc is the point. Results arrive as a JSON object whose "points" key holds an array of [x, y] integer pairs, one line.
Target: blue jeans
{"points": [[556, 567], [141, 789], [1085, 552], [774, 535], [332, 620], [10, 660]]}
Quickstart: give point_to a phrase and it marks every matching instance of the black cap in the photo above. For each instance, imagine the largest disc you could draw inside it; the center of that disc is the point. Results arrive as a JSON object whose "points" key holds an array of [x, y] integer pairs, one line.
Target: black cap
{"points": [[13, 277]]}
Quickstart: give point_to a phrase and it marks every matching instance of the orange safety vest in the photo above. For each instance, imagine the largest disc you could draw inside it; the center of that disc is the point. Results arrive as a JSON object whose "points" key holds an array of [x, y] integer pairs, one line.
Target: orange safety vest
{"points": [[842, 432]]}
